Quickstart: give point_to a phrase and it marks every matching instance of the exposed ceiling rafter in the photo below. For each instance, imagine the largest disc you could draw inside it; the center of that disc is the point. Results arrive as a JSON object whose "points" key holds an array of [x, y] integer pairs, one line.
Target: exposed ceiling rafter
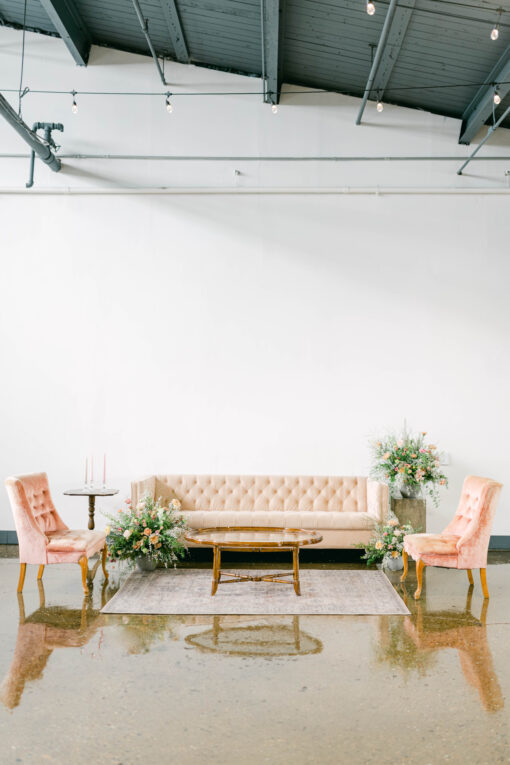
{"points": [[68, 23], [176, 32], [273, 43], [480, 108]]}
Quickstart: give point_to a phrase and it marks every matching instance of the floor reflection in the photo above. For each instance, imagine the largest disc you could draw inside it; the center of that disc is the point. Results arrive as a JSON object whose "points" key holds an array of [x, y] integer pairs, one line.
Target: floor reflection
{"points": [[426, 633], [260, 639], [47, 628]]}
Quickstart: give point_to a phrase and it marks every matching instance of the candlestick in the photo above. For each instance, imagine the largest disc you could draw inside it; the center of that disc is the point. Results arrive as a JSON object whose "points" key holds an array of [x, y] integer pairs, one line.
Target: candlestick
{"points": [[86, 471], [104, 471]]}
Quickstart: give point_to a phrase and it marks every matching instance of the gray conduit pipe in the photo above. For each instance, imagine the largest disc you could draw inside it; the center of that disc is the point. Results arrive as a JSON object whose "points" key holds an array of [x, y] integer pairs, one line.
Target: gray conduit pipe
{"points": [[144, 26], [37, 145], [377, 58]]}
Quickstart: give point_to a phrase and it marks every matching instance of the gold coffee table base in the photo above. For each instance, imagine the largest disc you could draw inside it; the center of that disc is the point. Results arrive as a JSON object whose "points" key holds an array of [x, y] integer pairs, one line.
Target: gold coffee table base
{"points": [[277, 577]]}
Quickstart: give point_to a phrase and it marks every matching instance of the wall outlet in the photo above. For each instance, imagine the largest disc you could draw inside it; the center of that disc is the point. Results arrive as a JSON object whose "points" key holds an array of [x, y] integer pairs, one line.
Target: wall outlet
{"points": [[444, 458]]}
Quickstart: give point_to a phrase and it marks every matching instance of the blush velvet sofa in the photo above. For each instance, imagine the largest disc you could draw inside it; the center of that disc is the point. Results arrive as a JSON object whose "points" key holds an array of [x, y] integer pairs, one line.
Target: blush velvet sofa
{"points": [[344, 509]]}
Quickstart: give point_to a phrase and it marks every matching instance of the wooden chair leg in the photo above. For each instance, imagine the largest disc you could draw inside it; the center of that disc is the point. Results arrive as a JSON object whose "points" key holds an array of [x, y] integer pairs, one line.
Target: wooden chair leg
{"points": [[483, 580], [420, 565], [103, 562], [84, 564], [405, 559], [22, 572], [470, 575], [41, 571]]}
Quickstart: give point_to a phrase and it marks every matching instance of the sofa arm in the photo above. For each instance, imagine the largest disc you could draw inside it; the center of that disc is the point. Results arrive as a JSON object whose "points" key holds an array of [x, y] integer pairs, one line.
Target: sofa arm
{"points": [[377, 500], [143, 488]]}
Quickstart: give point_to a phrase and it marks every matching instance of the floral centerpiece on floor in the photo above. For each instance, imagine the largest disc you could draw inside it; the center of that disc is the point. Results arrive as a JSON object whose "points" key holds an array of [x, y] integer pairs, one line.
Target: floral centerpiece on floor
{"points": [[387, 543], [150, 533], [409, 465]]}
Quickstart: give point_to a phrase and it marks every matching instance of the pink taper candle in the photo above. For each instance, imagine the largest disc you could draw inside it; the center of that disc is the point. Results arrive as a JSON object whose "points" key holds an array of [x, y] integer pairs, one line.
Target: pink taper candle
{"points": [[86, 470], [91, 468]]}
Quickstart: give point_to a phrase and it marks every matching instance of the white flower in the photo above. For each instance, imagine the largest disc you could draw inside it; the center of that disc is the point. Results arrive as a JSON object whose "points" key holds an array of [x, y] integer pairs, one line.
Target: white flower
{"points": [[140, 505], [127, 533]]}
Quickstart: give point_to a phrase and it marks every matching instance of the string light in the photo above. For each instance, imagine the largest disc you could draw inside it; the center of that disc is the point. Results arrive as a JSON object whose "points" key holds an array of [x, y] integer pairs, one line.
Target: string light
{"points": [[370, 8], [497, 97], [74, 107], [379, 105], [495, 28], [169, 106], [274, 109]]}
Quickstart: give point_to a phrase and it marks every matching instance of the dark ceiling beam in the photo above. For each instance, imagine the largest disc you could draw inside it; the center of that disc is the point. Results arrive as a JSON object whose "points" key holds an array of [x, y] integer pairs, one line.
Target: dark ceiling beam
{"points": [[396, 35], [274, 24], [378, 56], [480, 108], [175, 30], [68, 23]]}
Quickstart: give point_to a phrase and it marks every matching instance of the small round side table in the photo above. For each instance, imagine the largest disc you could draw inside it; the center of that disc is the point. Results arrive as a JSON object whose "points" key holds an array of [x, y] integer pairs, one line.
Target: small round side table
{"points": [[91, 494]]}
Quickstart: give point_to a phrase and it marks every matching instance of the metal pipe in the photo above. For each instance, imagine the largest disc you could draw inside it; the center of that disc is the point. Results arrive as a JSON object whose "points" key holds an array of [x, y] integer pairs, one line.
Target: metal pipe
{"points": [[263, 191], [37, 145], [377, 58], [205, 158], [489, 133], [144, 26]]}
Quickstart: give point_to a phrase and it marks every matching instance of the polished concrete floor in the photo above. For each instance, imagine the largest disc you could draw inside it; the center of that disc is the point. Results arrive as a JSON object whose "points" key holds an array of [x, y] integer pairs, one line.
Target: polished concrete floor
{"points": [[80, 687]]}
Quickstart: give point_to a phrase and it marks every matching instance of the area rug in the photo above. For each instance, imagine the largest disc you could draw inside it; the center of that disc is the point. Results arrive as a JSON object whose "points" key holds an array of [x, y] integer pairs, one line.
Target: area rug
{"points": [[188, 591]]}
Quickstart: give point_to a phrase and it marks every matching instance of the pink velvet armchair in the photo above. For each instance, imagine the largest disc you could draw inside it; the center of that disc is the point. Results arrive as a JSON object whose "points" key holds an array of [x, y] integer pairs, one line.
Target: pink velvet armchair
{"points": [[43, 537], [465, 541]]}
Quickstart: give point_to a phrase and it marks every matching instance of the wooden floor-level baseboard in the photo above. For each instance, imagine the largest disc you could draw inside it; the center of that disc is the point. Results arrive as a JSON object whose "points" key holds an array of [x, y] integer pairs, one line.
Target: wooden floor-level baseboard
{"points": [[498, 541]]}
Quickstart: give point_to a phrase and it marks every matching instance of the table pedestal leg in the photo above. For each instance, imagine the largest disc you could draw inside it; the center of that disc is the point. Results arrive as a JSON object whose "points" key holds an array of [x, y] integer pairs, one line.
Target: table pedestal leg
{"points": [[295, 564], [216, 569], [92, 504]]}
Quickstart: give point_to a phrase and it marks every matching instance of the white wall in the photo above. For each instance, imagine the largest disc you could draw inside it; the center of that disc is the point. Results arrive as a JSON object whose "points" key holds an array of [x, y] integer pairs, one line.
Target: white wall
{"points": [[256, 333]]}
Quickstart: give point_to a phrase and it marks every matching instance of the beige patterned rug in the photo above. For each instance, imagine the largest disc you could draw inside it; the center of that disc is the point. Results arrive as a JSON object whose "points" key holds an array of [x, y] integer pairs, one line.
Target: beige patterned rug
{"points": [[187, 591]]}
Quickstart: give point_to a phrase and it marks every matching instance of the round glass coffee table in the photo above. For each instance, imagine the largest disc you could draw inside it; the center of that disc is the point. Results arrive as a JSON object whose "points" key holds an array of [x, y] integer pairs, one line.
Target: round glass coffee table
{"points": [[253, 539]]}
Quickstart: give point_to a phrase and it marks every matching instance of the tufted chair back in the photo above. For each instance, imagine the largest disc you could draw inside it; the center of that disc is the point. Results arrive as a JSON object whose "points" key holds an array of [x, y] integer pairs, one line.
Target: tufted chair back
{"points": [[268, 493], [473, 520], [34, 514]]}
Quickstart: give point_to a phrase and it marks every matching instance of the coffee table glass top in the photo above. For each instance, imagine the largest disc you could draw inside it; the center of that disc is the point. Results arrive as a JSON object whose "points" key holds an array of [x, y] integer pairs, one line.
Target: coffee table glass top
{"points": [[240, 536]]}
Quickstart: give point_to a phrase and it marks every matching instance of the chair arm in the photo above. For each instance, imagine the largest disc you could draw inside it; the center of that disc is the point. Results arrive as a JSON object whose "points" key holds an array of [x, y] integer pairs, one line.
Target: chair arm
{"points": [[377, 500], [143, 488]]}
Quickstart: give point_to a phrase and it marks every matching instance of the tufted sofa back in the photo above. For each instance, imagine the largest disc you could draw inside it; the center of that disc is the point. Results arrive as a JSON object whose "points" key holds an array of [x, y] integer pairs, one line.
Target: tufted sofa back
{"points": [[268, 493]]}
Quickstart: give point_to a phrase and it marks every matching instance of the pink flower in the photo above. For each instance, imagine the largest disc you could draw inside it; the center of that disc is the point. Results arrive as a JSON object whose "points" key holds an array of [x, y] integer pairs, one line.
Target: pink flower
{"points": [[423, 451], [127, 501], [385, 534]]}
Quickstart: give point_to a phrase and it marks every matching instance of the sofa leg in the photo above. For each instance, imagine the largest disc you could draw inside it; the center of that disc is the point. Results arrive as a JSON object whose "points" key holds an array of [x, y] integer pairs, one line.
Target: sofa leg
{"points": [[84, 565], [22, 572], [41, 571], [103, 562], [483, 580], [406, 561], [420, 565], [470, 575]]}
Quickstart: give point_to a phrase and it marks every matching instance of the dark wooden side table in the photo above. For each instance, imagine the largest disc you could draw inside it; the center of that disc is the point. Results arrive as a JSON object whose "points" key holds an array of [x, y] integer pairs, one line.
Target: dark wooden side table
{"points": [[91, 494]]}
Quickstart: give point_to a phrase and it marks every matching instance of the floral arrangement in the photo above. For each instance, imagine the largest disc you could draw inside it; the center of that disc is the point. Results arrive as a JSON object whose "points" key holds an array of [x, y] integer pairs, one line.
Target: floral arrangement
{"points": [[388, 541], [409, 465], [149, 529]]}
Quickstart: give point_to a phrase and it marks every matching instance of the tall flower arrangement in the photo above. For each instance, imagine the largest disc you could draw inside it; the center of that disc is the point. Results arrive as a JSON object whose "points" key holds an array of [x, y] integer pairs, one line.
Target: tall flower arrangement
{"points": [[149, 529], [409, 465]]}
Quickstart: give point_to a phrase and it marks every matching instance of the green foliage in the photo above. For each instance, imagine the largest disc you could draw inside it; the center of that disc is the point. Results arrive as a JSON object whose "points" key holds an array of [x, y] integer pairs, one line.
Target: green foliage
{"points": [[149, 529], [408, 462], [388, 541]]}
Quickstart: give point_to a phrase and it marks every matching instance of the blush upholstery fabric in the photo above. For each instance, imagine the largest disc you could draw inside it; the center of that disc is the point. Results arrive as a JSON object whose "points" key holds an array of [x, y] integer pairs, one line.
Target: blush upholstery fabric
{"points": [[43, 537], [346, 508], [465, 541]]}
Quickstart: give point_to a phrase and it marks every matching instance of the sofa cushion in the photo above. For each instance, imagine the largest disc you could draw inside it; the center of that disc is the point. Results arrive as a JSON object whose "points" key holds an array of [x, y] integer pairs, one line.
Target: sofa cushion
{"points": [[200, 519]]}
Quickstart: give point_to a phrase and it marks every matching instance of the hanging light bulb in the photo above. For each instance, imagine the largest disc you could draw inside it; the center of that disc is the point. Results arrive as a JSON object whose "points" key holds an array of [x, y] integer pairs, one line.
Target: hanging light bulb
{"points": [[497, 98], [370, 8], [74, 107], [169, 106], [495, 28], [380, 106], [274, 109]]}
